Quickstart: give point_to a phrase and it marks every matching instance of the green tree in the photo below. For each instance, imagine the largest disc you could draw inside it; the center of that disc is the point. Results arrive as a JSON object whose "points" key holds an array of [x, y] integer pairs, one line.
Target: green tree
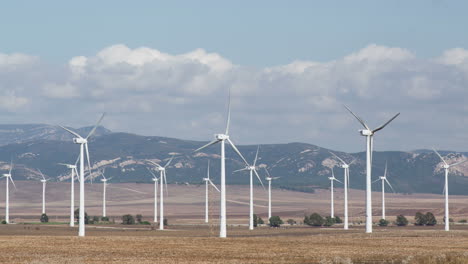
{"points": [[420, 219], [44, 218], [338, 220], [383, 222], [128, 219], [139, 218], [329, 221], [260, 221], [430, 219], [401, 220], [77, 216], [105, 219], [316, 220], [255, 220], [291, 221], [275, 221], [306, 220], [165, 222]]}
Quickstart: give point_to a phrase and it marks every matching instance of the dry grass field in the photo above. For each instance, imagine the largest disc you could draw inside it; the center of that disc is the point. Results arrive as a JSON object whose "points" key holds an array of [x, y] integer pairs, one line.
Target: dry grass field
{"points": [[188, 240]]}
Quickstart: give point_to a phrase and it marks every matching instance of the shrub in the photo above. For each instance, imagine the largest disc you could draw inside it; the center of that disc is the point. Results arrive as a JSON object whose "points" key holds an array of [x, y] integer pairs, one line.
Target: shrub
{"points": [[77, 216], [401, 220], [255, 220], [275, 221], [165, 222], [105, 219], [316, 220], [329, 221], [420, 219], [145, 223], [291, 221], [338, 220], [128, 219], [306, 220], [139, 217], [430, 219], [44, 218], [4, 222], [260, 221], [95, 219], [383, 222], [462, 221]]}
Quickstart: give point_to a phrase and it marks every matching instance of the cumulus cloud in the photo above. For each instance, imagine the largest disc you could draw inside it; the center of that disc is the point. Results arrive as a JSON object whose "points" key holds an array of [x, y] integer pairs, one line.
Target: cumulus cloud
{"points": [[150, 92]]}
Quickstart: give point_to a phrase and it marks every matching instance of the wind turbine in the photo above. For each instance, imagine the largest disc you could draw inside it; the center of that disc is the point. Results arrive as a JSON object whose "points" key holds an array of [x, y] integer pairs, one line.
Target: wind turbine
{"points": [[72, 191], [104, 186], [155, 179], [222, 138], [252, 170], [208, 182], [83, 142], [162, 176], [368, 133], [332, 202], [269, 179], [446, 168], [384, 180], [44, 182], [345, 166], [7, 199]]}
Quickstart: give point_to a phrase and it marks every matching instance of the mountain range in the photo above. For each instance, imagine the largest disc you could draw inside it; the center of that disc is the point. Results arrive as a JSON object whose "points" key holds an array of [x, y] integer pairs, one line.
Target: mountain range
{"points": [[300, 166]]}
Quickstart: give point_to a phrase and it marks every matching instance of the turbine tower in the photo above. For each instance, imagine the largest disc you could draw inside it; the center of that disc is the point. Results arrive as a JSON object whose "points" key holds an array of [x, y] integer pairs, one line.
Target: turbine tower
{"points": [[104, 187], [269, 179], [222, 138], [44, 182], [83, 142], [332, 202], [252, 170], [446, 168], [162, 176], [7, 199], [384, 180], [208, 182], [369, 134], [345, 166], [155, 179], [72, 191]]}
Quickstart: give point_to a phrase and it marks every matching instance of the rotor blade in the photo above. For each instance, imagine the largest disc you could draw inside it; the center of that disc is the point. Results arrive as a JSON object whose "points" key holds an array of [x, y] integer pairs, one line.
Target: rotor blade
{"points": [[11, 179], [338, 180], [385, 173], [244, 169], [274, 178], [169, 162], [207, 145], [354, 160], [165, 182], [208, 170], [154, 176], [376, 180], [267, 172], [11, 167], [229, 113], [358, 118], [256, 156], [89, 162], [212, 184], [71, 131], [333, 173], [65, 164], [97, 124], [258, 177], [77, 174], [102, 173], [155, 164], [458, 163], [391, 187], [41, 174], [439, 156], [384, 125], [237, 151], [336, 156]]}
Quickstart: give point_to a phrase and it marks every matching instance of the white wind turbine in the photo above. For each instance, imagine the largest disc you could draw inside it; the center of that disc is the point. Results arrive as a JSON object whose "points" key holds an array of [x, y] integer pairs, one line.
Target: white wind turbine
{"points": [[269, 179], [44, 182], [446, 168], [368, 133], [83, 146], [332, 200], [384, 180], [104, 186], [162, 176], [222, 138], [7, 199], [208, 182], [345, 166], [155, 179], [72, 191], [252, 170]]}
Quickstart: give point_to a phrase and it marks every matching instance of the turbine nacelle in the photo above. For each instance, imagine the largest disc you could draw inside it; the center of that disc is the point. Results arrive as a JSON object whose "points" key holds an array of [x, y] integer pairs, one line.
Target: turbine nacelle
{"points": [[251, 168], [161, 169], [344, 166], [104, 180], [6, 175], [268, 178], [80, 140], [331, 178], [366, 132], [382, 177], [445, 166], [155, 179], [206, 179], [43, 181], [221, 137]]}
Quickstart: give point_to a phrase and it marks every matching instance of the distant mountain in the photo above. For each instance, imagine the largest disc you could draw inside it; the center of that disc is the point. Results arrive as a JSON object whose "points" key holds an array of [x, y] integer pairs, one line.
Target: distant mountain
{"points": [[301, 166]]}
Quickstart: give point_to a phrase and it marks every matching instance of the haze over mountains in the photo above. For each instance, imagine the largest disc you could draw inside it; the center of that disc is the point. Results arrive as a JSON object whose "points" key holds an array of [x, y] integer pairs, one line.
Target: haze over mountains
{"points": [[301, 166]]}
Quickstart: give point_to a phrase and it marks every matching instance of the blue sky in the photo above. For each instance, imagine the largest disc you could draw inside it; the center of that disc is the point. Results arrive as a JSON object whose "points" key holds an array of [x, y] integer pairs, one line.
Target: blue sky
{"points": [[255, 33], [165, 68]]}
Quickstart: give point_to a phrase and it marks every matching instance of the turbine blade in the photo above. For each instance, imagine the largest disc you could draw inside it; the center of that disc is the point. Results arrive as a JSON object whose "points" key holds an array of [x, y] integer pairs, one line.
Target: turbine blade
{"points": [[439, 156], [77, 174], [458, 163], [154, 176], [358, 118], [11, 167], [155, 164], [237, 151], [376, 180], [207, 145], [336, 156], [256, 157], [89, 162], [258, 177], [212, 184], [208, 170], [267, 172], [11, 179], [339, 181], [354, 160], [165, 182], [72, 132], [97, 124], [385, 173], [244, 169], [169, 162], [229, 113], [384, 125], [41, 174], [333, 173], [391, 187]]}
